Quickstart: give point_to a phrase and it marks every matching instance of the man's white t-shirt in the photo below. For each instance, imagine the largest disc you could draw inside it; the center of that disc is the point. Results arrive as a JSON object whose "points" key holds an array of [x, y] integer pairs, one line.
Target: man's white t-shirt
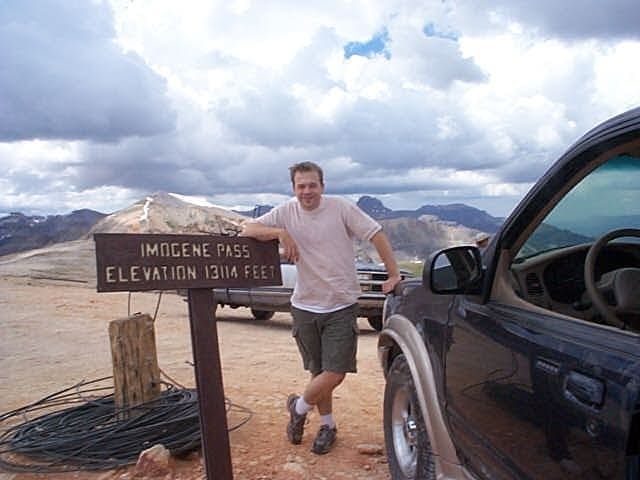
{"points": [[327, 280]]}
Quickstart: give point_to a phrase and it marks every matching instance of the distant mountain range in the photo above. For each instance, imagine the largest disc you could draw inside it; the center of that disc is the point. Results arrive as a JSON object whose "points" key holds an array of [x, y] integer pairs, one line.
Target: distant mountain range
{"points": [[19, 232], [413, 233], [416, 233], [458, 213]]}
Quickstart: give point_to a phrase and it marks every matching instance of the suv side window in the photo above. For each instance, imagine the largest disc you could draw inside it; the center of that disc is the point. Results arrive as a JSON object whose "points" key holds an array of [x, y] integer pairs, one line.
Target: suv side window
{"points": [[550, 266]]}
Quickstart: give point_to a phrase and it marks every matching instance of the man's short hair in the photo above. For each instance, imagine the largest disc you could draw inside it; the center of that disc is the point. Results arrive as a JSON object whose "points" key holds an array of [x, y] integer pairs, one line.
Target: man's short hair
{"points": [[481, 237], [305, 167]]}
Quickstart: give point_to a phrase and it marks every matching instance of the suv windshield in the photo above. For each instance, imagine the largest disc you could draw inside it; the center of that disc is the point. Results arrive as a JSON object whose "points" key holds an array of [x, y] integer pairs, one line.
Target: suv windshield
{"points": [[606, 199]]}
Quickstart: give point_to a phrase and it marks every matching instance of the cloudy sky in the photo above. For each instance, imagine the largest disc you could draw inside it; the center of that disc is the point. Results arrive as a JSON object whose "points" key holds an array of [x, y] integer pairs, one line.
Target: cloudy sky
{"points": [[414, 102]]}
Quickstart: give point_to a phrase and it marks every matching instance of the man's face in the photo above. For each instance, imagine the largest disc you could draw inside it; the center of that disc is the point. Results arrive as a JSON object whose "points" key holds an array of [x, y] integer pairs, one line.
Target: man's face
{"points": [[308, 189]]}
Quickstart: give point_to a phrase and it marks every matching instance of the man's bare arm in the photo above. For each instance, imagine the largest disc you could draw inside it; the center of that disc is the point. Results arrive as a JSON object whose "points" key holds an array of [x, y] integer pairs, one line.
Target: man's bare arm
{"points": [[264, 233], [259, 231], [383, 246]]}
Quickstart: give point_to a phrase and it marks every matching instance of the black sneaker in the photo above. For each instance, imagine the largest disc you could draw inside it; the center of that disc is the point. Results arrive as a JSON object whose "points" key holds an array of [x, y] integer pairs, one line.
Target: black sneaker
{"points": [[295, 427], [324, 440]]}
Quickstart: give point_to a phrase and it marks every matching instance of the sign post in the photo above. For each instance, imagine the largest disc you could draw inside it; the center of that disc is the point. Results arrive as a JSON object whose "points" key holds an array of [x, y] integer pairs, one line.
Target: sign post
{"points": [[138, 262]]}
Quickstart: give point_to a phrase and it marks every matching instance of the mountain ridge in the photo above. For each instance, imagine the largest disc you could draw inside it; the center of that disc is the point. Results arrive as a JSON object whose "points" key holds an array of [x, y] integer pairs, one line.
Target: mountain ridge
{"points": [[19, 232], [413, 233], [163, 212], [459, 213]]}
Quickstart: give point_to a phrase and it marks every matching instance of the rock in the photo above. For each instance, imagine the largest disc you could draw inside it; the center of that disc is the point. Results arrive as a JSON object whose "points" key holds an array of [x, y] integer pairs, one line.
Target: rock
{"points": [[369, 449], [293, 458], [296, 469], [154, 462]]}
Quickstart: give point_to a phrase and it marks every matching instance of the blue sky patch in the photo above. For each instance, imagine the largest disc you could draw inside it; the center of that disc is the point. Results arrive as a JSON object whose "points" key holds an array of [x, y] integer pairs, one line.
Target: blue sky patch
{"points": [[430, 30], [376, 46]]}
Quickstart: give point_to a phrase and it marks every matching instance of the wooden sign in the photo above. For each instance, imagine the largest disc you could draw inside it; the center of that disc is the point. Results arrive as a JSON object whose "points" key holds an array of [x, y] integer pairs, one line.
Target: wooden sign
{"points": [[136, 262]]}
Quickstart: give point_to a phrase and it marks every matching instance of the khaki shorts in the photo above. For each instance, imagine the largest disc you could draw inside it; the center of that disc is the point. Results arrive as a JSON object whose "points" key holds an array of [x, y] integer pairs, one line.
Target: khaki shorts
{"points": [[327, 341]]}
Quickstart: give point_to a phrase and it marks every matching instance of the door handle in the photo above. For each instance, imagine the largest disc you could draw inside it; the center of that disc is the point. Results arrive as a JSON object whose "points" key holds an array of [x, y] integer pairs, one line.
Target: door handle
{"points": [[584, 390]]}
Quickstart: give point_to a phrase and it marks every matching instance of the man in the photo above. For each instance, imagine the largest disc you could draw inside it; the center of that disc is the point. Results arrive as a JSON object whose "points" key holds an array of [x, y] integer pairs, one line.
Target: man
{"points": [[317, 232], [482, 240]]}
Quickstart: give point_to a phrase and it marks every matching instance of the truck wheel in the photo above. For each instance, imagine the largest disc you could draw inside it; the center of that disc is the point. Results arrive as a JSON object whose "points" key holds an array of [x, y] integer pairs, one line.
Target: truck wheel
{"points": [[405, 433], [261, 314], [375, 322]]}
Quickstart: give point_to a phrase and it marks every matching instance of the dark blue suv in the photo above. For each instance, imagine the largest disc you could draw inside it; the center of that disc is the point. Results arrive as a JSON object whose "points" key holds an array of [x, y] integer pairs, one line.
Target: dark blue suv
{"points": [[523, 361]]}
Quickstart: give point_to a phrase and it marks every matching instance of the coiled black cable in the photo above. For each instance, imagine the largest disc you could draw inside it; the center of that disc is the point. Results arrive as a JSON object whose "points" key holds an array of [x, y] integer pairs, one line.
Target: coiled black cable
{"points": [[93, 435]]}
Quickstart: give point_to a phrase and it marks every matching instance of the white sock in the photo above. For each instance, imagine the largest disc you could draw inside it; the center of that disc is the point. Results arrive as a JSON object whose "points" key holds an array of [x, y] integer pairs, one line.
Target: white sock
{"points": [[302, 407], [328, 420]]}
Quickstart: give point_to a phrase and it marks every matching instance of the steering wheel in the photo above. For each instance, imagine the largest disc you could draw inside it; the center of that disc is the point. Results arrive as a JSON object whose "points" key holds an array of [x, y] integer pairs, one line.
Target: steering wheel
{"points": [[621, 285]]}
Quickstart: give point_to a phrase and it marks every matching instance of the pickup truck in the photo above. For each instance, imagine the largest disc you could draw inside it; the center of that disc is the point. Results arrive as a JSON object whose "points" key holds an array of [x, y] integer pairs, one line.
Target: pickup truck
{"points": [[522, 361], [265, 301]]}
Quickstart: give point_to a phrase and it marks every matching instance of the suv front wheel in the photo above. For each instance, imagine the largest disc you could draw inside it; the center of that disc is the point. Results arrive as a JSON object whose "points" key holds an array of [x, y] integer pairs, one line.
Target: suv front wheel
{"points": [[407, 441], [261, 314], [375, 322]]}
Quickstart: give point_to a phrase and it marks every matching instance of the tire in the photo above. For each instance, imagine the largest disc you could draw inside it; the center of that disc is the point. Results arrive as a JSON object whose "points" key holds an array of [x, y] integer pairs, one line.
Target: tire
{"points": [[262, 314], [405, 433], [375, 322]]}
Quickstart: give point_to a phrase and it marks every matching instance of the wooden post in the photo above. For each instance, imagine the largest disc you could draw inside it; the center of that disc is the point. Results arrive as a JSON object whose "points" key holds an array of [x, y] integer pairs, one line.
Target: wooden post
{"points": [[135, 364], [213, 415]]}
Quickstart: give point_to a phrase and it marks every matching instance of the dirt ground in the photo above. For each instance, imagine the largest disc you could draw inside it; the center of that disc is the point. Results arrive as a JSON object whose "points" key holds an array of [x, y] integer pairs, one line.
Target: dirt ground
{"points": [[54, 335]]}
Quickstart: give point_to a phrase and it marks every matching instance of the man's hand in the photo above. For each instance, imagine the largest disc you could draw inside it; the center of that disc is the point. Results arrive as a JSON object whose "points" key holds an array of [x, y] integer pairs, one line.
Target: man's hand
{"points": [[262, 232], [290, 249], [390, 283], [381, 242]]}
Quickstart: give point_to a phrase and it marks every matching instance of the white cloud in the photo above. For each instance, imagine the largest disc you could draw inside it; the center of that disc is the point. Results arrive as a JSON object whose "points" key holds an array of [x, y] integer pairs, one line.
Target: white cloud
{"points": [[617, 77], [63, 78], [467, 101]]}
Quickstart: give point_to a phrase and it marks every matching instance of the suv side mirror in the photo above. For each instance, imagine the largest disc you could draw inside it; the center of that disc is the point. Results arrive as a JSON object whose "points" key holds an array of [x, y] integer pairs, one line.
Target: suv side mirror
{"points": [[453, 270]]}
